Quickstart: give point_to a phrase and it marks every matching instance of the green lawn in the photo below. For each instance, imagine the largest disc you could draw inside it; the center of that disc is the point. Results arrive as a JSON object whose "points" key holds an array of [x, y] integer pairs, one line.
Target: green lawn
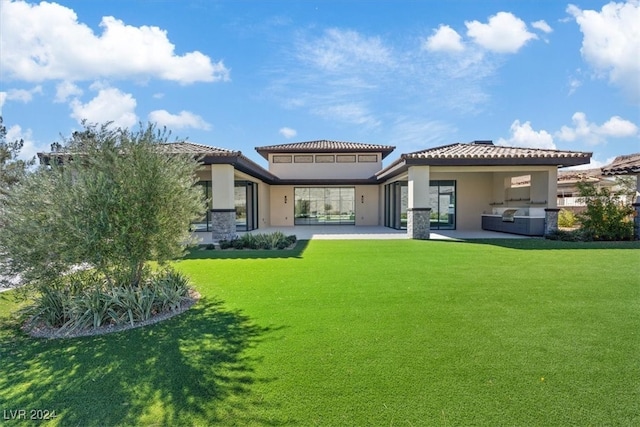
{"points": [[506, 332]]}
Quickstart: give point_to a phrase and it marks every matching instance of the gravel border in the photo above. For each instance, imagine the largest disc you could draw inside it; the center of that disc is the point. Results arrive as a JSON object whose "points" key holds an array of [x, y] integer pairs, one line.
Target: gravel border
{"points": [[41, 330]]}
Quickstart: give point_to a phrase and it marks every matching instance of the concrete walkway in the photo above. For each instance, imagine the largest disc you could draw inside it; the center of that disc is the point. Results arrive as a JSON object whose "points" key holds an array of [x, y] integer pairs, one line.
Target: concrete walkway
{"points": [[350, 232]]}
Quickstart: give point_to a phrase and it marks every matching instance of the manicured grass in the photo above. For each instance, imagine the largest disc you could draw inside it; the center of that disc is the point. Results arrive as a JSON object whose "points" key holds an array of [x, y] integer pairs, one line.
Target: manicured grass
{"points": [[518, 332]]}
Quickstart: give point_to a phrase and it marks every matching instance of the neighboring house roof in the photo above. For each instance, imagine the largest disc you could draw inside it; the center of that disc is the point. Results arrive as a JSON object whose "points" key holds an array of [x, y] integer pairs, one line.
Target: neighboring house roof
{"points": [[624, 165], [325, 146], [196, 149], [484, 153], [570, 177], [216, 155], [208, 155]]}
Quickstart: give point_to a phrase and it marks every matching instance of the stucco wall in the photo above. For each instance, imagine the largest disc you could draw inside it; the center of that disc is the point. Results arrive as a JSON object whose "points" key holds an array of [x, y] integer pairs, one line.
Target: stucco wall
{"points": [[281, 212], [367, 204], [264, 205]]}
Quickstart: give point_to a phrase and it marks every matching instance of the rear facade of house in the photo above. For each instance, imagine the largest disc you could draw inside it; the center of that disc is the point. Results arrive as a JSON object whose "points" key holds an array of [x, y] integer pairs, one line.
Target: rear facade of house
{"points": [[461, 186]]}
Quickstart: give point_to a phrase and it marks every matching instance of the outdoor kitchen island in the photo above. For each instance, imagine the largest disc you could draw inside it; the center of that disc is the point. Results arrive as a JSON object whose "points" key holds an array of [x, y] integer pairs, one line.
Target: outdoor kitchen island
{"points": [[525, 221]]}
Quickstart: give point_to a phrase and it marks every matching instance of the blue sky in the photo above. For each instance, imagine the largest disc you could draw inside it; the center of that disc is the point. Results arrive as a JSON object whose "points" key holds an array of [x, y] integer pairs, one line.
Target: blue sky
{"points": [[414, 74]]}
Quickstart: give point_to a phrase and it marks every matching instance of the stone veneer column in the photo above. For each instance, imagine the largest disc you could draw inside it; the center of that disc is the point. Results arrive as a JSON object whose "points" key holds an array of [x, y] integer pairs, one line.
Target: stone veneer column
{"points": [[550, 220], [223, 223], [223, 212], [419, 223], [636, 218]]}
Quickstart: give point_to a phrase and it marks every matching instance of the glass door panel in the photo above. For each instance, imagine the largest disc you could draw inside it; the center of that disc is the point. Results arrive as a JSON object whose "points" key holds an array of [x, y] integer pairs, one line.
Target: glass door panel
{"points": [[302, 209], [442, 199], [240, 200]]}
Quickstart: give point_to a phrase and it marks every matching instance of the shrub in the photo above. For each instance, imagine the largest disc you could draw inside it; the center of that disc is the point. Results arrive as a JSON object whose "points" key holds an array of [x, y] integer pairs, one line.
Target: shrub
{"points": [[606, 217], [84, 299], [568, 235], [275, 240], [566, 219]]}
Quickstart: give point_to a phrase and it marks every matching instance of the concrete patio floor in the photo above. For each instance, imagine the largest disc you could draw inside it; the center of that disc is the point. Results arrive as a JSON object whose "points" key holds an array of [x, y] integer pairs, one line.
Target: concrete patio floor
{"points": [[350, 232]]}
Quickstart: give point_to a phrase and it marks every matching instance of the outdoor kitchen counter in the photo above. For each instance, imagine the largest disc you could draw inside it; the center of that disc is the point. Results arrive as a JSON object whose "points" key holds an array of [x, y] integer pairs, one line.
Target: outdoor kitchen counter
{"points": [[525, 225]]}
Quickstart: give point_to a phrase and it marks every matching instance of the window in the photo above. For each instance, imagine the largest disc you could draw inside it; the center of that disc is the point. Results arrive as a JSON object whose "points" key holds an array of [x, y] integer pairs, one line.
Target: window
{"points": [[324, 205]]}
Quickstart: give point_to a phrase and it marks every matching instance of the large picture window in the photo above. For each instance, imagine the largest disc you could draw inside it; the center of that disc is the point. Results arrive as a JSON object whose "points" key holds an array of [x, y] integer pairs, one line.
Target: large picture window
{"points": [[324, 205]]}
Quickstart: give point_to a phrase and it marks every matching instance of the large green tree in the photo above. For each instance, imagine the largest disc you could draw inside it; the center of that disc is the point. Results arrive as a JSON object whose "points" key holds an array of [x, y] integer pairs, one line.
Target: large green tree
{"points": [[111, 199]]}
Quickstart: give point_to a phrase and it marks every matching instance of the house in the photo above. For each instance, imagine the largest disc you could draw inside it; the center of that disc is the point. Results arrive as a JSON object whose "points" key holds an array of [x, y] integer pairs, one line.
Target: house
{"points": [[461, 186], [569, 193]]}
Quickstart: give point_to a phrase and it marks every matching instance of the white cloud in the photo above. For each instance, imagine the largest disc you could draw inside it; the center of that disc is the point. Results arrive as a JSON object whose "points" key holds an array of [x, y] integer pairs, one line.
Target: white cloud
{"points": [[542, 26], [21, 95], [574, 84], [46, 41], [611, 42], [618, 127], [590, 133], [66, 90], [288, 132], [184, 119], [338, 49], [504, 33], [523, 135], [109, 105], [444, 39]]}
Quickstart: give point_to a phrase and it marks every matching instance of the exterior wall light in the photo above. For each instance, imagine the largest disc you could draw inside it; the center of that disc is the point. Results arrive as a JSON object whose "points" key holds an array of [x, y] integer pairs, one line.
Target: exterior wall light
{"points": [[362, 198], [285, 200]]}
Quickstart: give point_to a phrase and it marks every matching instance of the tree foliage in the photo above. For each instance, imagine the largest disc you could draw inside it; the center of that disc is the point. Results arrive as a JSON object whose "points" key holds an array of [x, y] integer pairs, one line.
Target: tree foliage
{"points": [[12, 169], [606, 217], [111, 199]]}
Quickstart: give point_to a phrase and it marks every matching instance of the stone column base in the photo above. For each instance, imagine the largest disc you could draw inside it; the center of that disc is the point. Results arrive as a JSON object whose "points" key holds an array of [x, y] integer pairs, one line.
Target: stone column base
{"points": [[419, 223], [550, 220], [636, 219], [223, 223]]}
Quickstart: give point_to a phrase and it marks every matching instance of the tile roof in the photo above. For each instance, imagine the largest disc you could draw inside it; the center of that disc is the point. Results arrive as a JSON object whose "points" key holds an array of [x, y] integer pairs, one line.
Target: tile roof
{"points": [[484, 153], [196, 149], [486, 150], [324, 146], [623, 165]]}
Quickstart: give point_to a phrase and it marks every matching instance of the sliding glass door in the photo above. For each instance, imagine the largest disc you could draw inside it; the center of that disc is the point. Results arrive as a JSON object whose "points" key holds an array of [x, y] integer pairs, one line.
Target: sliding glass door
{"points": [[442, 201], [246, 203], [396, 196], [442, 198], [324, 205]]}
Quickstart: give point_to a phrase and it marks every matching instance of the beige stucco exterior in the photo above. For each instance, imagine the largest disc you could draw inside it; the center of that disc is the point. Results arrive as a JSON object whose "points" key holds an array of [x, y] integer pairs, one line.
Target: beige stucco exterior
{"points": [[479, 189]]}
